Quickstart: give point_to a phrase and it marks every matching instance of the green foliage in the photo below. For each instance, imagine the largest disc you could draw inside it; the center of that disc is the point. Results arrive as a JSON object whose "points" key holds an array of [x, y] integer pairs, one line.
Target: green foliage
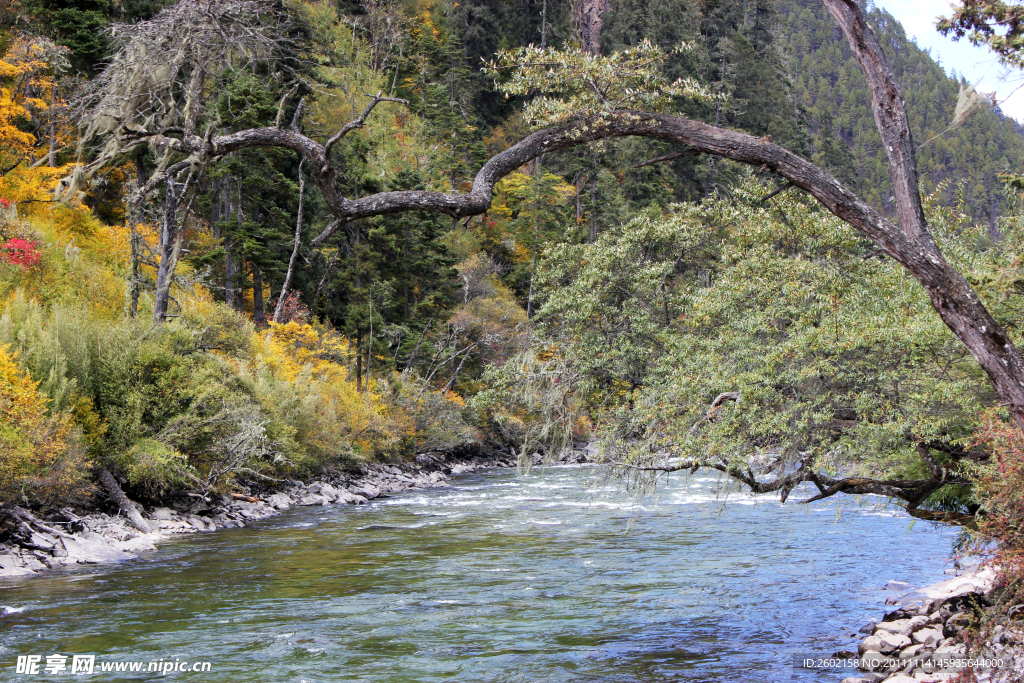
{"points": [[573, 84], [838, 360], [995, 24]]}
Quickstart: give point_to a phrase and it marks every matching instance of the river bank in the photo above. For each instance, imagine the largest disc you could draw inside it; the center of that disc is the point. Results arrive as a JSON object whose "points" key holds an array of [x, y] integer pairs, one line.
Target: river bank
{"points": [[34, 543], [922, 640]]}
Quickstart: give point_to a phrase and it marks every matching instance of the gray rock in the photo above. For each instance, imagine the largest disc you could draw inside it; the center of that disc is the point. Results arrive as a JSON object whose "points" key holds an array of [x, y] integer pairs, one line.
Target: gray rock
{"points": [[367, 491], [872, 660], [927, 636], [164, 514], [897, 586], [897, 626], [870, 644], [281, 501], [93, 550], [8, 561], [201, 523], [329, 492], [911, 652], [894, 642], [915, 624], [313, 499], [13, 572]]}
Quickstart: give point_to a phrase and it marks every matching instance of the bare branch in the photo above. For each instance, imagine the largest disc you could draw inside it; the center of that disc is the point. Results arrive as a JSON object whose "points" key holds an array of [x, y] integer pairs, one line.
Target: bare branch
{"points": [[359, 121], [284, 100], [776, 192]]}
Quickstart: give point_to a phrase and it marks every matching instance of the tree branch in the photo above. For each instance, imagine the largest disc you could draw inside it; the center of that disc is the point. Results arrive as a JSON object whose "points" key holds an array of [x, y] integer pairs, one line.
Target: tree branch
{"points": [[358, 122]]}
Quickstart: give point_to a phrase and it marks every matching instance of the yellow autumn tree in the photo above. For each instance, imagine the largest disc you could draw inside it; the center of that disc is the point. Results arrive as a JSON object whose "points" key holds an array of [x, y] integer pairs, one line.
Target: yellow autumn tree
{"points": [[29, 101], [37, 451]]}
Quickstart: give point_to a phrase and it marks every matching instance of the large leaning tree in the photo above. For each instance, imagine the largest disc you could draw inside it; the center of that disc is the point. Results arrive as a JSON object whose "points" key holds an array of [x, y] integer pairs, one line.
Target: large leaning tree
{"points": [[153, 94]]}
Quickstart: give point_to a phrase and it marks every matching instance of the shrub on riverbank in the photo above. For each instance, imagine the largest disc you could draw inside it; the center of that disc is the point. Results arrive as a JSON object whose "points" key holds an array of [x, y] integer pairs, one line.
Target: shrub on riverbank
{"points": [[41, 455]]}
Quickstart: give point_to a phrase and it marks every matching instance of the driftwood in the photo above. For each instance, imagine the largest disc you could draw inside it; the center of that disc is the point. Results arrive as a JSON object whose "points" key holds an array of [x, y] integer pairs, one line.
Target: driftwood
{"points": [[127, 507]]}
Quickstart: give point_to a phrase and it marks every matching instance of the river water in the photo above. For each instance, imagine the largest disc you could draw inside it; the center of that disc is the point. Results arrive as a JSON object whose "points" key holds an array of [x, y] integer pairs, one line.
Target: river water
{"points": [[501, 578]]}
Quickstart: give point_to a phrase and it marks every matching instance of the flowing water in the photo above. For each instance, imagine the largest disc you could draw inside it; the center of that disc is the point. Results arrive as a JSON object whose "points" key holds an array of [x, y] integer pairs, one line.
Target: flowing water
{"points": [[503, 578]]}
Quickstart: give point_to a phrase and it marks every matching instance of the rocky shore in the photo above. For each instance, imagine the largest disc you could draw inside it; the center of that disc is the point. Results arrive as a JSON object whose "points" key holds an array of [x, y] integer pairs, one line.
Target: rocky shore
{"points": [[33, 543], [921, 641]]}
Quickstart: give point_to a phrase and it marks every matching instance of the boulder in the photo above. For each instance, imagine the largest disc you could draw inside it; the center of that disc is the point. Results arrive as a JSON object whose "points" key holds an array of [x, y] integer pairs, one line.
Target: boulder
{"points": [[897, 626], [313, 499], [329, 492], [872, 660], [894, 642], [870, 644], [897, 586], [281, 501], [8, 561], [911, 652], [163, 514], [13, 572], [927, 636], [91, 548], [367, 491]]}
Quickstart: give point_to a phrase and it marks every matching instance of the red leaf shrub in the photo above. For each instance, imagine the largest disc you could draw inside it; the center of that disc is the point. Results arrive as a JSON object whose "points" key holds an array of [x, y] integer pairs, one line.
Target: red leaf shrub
{"points": [[19, 252]]}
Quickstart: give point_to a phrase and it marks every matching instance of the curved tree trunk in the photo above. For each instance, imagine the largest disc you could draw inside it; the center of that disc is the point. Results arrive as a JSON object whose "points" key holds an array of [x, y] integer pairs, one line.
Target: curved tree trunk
{"points": [[909, 243]]}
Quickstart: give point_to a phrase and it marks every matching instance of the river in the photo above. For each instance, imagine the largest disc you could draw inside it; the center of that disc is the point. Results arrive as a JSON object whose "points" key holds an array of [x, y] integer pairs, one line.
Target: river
{"points": [[501, 578]]}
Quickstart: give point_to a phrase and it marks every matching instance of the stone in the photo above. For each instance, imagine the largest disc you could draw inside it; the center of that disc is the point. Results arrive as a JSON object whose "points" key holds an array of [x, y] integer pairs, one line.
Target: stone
{"points": [[93, 551], [329, 492], [140, 544], [872, 660], [894, 642], [367, 491], [870, 644], [10, 562], [899, 678], [201, 523], [313, 499], [915, 624], [868, 628], [14, 572], [163, 514], [911, 652], [927, 636], [281, 501], [897, 586], [897, 626]]}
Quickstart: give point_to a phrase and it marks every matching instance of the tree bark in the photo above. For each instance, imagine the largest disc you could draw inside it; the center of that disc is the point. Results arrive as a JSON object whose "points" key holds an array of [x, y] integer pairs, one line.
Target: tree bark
{"points": [[279, 309], [170, 248]]}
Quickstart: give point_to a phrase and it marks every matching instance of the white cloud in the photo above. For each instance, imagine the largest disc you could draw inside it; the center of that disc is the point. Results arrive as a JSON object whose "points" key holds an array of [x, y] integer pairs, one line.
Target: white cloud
{"points": [[978, 65]]}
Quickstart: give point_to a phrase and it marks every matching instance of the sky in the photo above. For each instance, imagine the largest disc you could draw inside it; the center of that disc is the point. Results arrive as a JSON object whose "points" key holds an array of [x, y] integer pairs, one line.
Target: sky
{"points": [[978, 65]]}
